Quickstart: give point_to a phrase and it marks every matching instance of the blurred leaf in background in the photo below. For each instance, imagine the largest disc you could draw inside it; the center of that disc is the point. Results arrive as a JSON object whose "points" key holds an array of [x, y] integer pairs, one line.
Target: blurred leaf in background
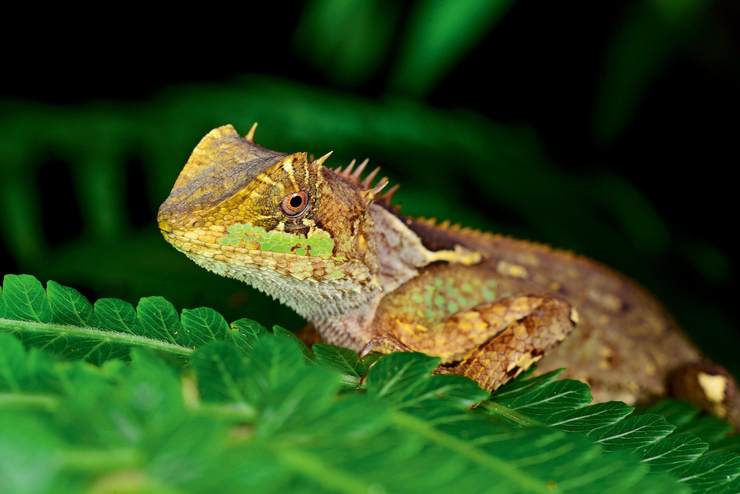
{"points": [[438, 35], [641, 47]]}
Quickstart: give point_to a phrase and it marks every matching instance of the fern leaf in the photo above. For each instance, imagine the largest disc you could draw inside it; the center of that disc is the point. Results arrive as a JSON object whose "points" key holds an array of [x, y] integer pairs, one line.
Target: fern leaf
{"points": [[253, 412], [62, 320], [344, 360], [668, 436], [673, 452]]}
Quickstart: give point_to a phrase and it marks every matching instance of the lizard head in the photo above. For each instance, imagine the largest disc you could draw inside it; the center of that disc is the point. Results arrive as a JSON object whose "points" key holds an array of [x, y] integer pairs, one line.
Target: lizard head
{"points": [[280, 222]]}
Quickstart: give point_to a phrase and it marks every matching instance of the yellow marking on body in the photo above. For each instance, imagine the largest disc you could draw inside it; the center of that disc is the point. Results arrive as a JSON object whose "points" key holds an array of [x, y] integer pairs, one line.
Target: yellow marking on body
{"points": [[714, 386], [574, 317], [607, 300], [254, 195], [514, 270], [523, 362], [528, 258], [520, 331], [606, 355], [470, 320], [459, 255], [650, 369]]}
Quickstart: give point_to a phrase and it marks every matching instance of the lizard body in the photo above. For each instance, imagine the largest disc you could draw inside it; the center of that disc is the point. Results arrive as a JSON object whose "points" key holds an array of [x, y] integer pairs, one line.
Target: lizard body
{"points": [[328, 244]]}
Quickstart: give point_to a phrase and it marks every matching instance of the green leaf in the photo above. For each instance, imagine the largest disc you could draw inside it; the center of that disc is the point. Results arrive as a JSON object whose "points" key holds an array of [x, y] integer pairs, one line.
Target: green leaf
{"points": [[585, 419], [245, 333], [64, 322], [673, 452], [29, 452], [68, 306], [157, 317], [730, 444], [543, 401], [202, 325], [676, 412], [25, 299], [282, 332], [661, 25], [633, 432], [2, 303], [611, 424], [712, 471], [439, 34], [354, 34], [399, 375], [115, 314], [22, 371], [221, 370], [346, 361], [265, 418], [711, 429]]}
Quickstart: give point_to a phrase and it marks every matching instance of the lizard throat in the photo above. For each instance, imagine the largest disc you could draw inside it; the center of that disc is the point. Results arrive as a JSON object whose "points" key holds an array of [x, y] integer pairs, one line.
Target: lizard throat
{"points": [[302, 283]]}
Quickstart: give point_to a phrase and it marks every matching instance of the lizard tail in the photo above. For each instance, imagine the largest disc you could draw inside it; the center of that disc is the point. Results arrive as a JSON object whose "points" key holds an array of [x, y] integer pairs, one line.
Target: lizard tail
{"points": [[710, 387]]}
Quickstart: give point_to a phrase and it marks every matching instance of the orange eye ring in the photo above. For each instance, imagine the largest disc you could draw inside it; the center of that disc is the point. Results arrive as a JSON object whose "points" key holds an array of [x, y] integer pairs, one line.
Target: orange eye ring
{"points": [[294, 204]]}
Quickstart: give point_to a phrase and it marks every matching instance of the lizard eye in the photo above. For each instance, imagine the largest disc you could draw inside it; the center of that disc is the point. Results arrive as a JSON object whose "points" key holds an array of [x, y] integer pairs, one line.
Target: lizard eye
{"points": [[294, 204]]}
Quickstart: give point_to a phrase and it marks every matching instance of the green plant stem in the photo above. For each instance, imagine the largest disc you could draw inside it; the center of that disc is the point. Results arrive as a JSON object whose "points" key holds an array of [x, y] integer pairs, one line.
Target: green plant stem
{"points": [[510, 414], [467, 449], [240, 412], [95, 460], [117, 337], [317, 470], [28, 400]]}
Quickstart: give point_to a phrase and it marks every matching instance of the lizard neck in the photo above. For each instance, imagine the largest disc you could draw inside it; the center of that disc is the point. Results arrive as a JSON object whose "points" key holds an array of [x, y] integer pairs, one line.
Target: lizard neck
{"points": [[398, 253]]}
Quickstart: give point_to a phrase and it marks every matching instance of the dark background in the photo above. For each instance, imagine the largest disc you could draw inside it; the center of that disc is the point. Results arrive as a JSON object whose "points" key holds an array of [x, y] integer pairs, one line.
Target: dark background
{"points": [[609, 128]]}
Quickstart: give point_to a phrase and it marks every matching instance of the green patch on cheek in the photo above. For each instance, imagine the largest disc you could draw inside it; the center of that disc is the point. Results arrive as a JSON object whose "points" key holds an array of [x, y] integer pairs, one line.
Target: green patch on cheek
{"points": [[318, 243]]}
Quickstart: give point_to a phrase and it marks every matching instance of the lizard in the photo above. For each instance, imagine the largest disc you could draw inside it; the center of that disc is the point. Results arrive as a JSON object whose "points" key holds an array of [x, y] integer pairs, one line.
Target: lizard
{"points": [[330, 244]]}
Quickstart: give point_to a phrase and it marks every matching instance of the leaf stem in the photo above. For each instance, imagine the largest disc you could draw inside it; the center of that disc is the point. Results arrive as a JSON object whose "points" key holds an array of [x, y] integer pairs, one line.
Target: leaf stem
{"points": [[28, 400], [470, 451], [94, 460], [509, 414], [320, 472], [103, 335]]}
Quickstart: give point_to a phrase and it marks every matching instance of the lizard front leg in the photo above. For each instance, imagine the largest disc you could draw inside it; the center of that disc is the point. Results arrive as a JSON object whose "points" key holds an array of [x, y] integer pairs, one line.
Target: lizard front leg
{"points": [[490, 343]]}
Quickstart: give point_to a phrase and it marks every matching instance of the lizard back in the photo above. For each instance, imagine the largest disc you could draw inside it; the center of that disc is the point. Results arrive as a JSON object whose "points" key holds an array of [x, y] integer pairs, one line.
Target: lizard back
{"points": [[625, 344]]}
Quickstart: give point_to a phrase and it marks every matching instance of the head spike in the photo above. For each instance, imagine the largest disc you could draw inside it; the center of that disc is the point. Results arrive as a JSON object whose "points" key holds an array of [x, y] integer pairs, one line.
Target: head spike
{"points": [[388, 196], [382, 183], [358, 173], [250, 135], [320, 161], [369, 179], [348, 169], [371, 194]]}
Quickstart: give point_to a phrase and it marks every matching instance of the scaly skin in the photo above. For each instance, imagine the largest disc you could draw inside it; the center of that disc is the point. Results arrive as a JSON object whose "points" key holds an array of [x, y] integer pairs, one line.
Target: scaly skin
{"points": [[327, 244]]}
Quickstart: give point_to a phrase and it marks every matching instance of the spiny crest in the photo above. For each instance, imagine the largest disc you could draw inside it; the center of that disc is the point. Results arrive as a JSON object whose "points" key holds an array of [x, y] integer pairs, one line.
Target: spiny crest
{"points": [[354, 175], [457, 228]]}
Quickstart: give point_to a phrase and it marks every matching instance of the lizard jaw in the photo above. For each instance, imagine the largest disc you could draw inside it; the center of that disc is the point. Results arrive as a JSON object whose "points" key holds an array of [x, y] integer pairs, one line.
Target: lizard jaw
{"points": [[304, 283]]}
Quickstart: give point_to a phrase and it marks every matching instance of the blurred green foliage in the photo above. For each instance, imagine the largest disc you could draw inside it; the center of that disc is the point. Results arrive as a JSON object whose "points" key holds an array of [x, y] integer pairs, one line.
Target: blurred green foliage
{"points": [[449, 162]]}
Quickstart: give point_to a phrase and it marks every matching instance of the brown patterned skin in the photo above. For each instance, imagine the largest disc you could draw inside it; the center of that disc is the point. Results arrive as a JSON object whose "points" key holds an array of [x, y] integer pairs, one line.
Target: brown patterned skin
{"points": [[327, 244]]}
